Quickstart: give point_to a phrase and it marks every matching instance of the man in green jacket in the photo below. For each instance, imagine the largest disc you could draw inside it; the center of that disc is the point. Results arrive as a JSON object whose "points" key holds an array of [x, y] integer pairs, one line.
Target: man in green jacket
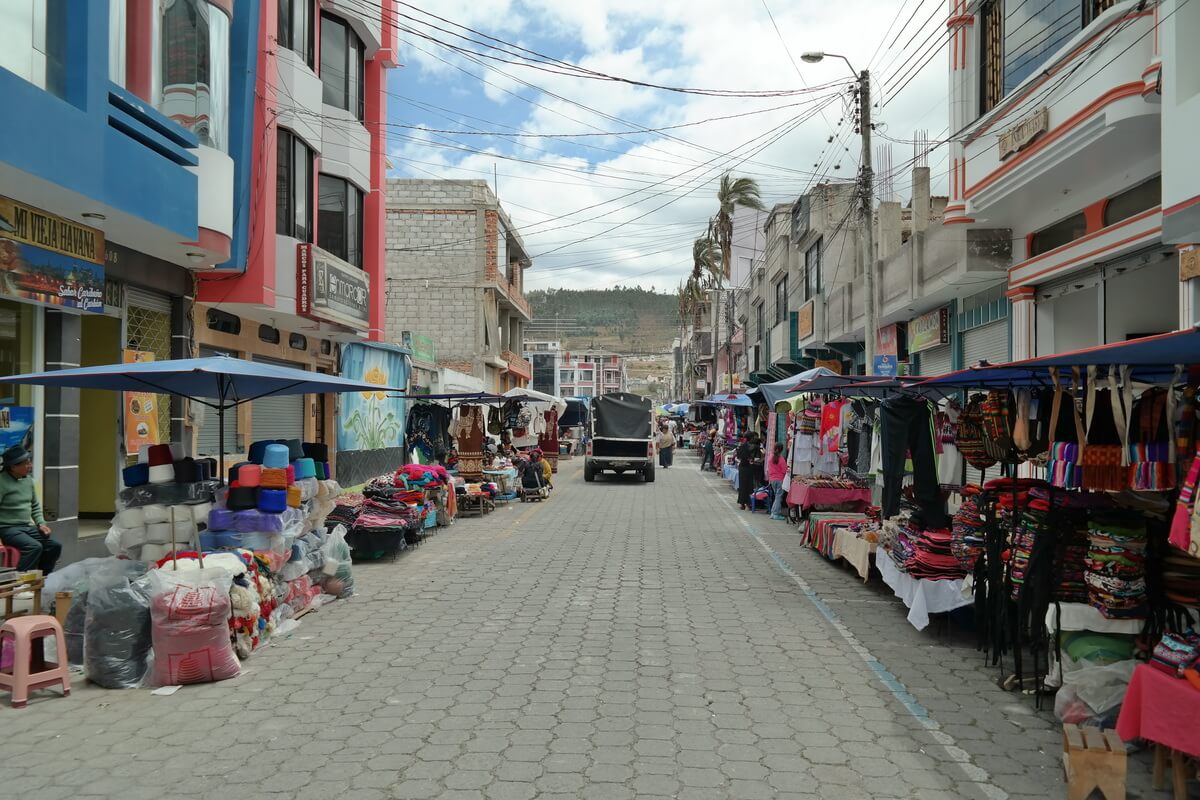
{"points": [[21, 522]]}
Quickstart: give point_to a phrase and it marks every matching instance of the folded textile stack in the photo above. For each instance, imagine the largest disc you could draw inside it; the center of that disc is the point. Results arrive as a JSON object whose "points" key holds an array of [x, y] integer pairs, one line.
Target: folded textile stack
{"points": [[1181, 579], [831, 482], [932, 558], [1073, 550], [967, 538], [1116, 565]]}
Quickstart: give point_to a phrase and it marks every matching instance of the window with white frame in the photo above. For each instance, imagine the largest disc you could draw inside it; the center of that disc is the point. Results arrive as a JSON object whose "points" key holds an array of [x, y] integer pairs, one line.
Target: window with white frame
{"points": [[294, 29], [293, 186], [340, 219], [341, 65], [33, 42]]}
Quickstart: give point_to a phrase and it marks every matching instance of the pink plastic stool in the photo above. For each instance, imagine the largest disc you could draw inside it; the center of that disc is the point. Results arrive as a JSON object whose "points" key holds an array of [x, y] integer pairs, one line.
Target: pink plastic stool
{"points": [[9, 556], [30, 670]]}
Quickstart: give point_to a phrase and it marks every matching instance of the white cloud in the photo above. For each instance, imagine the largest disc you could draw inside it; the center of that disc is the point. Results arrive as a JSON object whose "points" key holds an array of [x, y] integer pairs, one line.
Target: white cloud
{"points": [[663, 188]]}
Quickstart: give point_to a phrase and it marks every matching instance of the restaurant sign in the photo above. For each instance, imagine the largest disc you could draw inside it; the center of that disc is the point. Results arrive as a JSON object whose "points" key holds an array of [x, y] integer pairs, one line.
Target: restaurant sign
{"points": [[929, 330], [330, 290], [50, 260]]}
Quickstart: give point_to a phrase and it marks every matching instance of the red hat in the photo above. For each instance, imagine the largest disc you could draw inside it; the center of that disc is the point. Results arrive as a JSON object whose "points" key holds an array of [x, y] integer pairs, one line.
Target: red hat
{"points": [[160, 455]]}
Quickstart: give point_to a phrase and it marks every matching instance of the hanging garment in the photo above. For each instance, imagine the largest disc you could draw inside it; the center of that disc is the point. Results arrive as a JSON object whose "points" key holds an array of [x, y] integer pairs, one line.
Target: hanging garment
{"points": [[1102, 457], [968, 436], [1067, 439], [428, 430], [907, 426], [949, 461], [548, 440], [1151, 450], [470, 435]]}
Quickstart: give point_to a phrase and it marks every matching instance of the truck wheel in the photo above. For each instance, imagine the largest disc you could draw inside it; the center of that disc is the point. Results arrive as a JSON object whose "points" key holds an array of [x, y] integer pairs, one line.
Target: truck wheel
{"points": [[648, 475], [589, 473]]}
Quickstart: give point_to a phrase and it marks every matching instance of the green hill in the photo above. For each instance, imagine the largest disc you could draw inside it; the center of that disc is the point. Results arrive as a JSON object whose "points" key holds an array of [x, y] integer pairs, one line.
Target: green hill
{"points": [[625, 319]]}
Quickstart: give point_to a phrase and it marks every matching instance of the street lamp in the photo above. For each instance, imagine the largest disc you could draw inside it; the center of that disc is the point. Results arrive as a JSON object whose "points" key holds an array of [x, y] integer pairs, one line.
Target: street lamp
{"points": [[867, 191]]}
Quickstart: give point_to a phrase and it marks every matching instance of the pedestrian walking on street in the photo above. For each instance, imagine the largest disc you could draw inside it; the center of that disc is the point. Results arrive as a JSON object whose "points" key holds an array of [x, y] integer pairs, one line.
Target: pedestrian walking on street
{"points": [[666, 447], [709, 439], [776, 472], [22, 524], [749, 456]]}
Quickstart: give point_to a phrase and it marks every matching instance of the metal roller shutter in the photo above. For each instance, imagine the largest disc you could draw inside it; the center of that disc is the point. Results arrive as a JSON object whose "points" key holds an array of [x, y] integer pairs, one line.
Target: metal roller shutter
{"points": [[148, 329], [934, 361], [277, 416], [986, 343], [208, 434]]}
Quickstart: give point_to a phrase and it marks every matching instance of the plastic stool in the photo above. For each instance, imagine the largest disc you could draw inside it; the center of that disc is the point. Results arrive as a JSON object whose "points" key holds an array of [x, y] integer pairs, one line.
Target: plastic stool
{"points": [[9, 556], [766, 503], [30, 670]]}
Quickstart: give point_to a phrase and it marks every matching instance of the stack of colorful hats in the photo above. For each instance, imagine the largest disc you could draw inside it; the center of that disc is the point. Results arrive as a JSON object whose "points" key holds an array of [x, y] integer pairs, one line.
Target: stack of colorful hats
{"points": [[166, 499], [160, 464]]}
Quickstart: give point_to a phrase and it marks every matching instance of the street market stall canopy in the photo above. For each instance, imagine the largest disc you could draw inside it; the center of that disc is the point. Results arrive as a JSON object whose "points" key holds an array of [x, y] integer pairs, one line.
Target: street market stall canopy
{"points": [[1152, 359], [577, 412], [772, 393], [539, 400], [219, 382], [728, 400]]}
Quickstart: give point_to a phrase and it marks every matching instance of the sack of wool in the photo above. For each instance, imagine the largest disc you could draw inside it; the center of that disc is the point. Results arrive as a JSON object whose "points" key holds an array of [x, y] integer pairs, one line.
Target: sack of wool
{"points": [[133, 537], [156, 512], [158, 532], [116, 640], [189, 613], [339, 577], [131, 518]]}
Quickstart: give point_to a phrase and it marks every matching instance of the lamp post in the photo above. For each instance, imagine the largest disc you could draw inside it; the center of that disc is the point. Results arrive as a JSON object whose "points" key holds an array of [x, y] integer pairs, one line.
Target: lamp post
{"points": [[867, 192]]}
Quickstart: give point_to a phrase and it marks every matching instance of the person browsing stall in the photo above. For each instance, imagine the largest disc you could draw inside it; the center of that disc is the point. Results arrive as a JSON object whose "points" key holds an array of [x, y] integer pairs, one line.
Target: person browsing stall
{"points": [[22, 524]]}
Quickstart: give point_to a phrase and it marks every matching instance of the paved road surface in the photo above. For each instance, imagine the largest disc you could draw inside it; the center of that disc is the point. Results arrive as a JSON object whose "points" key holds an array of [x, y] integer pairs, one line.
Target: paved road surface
{"points": [[620, 640]]}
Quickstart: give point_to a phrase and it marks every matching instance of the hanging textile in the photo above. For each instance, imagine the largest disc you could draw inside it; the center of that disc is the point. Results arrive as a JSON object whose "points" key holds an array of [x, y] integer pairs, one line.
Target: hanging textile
{"points": [[548, 441], [428, 430], [469, 432]]}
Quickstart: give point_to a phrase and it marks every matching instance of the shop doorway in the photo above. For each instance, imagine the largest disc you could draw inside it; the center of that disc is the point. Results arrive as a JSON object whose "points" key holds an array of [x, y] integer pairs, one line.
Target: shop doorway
{"points": [[99, 424]]}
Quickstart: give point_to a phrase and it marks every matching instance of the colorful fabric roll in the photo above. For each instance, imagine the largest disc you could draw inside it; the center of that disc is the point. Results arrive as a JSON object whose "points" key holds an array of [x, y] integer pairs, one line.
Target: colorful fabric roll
{"points": [[242, 497], [272, 501], [258, 450], [305, 468], [274, 478], [220, 519], [317, 451], [294, 496], [247, 521], [250, 475], [291, 474], [136, 475], [186, 471], [295, 448], [276, 456]]}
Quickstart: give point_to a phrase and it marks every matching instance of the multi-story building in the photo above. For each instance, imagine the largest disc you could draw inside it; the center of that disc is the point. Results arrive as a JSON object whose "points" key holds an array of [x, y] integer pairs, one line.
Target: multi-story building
{"points": [[1072, 130], [545, 359], [589, 373], [302, 284], [116, 170], [455, 271]]}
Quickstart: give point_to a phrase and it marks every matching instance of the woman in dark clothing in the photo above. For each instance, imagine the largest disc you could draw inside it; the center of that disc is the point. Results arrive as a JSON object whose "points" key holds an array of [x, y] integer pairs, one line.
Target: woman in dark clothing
{"points": [[749, 456]]}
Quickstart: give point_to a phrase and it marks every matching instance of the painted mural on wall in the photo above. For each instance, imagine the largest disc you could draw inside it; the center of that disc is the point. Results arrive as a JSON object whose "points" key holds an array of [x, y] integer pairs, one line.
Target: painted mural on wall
{"points": [[372, 420]]}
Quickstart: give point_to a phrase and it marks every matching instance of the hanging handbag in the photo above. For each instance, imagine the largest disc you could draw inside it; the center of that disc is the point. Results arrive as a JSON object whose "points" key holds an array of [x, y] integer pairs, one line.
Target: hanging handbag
{"points": [[997, 409], [1041, 401], [970, 437], [1103, 458], [1067, 441]]}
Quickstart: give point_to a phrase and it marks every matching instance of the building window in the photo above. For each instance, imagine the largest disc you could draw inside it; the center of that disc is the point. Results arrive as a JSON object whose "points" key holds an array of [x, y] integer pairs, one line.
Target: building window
{"points": [[293, 187], [812, 271], [295, 28], [759, 319], [339, 219], [781, 308], [194, 69], [1094, 8], [117, 26], [341, 65], [1057, 235], [1033, 32], [223, 322], [1142, 197], [33, 42], [991, 55]]}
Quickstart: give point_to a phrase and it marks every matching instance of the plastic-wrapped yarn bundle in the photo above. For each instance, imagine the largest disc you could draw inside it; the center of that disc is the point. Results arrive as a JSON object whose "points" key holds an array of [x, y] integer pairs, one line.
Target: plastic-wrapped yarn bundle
{"points": [[190, 626], [116, 640]]}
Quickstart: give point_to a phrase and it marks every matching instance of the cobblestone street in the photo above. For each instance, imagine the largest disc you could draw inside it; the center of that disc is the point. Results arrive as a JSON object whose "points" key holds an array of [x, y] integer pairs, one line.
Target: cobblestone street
{"points": [[620, 640]]}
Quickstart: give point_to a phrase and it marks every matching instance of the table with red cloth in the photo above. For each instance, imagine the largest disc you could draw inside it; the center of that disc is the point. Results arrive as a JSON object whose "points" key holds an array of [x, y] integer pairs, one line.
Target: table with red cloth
{"points": [[1162, 709], [806, 497], [820, 529]]}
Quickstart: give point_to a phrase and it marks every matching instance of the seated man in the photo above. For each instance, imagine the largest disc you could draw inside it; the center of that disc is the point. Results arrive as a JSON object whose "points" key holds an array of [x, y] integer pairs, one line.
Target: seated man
{"points": [[21, 522]]}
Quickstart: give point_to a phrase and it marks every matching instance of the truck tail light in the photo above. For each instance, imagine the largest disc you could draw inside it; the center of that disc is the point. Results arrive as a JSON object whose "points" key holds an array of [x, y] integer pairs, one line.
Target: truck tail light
{"points": [[589, 448]]}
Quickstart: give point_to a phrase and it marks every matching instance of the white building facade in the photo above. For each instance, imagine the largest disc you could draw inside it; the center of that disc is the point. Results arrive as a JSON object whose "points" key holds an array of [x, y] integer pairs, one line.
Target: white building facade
{"points": [[1072, 125]]}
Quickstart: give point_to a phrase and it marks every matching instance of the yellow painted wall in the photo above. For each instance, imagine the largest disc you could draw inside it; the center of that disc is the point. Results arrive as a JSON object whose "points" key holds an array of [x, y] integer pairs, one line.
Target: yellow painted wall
{"points": [[99, 435]]}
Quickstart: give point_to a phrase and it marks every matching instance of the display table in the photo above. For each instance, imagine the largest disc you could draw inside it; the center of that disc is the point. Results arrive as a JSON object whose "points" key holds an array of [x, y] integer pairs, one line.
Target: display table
{"points": [[808, 497], [1163, 710], [475, 505], [821, 527], [854, 550], [923, 597], [1082, 617], [730, 473]]}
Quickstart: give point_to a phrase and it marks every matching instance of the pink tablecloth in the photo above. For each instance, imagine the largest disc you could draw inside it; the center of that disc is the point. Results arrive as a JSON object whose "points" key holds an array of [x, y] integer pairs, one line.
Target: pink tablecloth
{"points": [[1162, 709], [808, 497]]}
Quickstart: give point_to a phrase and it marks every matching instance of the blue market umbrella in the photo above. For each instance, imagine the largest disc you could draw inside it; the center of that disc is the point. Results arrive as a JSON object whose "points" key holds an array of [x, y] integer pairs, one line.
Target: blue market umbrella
{"points": [[217, 382]]}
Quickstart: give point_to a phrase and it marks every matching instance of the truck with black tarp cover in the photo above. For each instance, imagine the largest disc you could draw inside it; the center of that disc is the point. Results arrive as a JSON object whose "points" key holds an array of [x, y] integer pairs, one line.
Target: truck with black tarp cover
{"points": [[622, 440]]}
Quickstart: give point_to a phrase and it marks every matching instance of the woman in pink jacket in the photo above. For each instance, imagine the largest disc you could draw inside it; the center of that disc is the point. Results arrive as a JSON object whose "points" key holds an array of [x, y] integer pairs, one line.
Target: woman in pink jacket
{"points": [[776, 472]]}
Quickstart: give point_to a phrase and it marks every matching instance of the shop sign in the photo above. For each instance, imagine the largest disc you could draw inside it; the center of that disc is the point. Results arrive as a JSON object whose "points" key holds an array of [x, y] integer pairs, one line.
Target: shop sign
{"points": [[1189, 263], [422, 347], [1021, 135], [886, 366], [929, 330], [16, 427], [141, 410], [48, 259], [887, 341], [804, 321], [330, 290]]}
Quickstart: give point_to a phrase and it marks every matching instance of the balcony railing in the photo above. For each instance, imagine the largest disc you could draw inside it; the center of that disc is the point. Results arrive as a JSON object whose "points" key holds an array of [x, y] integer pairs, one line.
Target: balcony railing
{"points": [[517, 365]]}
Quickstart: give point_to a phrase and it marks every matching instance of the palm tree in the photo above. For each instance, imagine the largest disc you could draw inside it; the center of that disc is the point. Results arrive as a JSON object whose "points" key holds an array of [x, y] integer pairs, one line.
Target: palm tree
{"points": [[706, 262], [733, 192]]}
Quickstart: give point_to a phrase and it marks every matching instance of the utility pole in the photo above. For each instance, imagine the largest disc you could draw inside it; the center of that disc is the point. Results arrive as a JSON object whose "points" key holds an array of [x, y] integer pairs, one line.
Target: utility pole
{"points": [[867, 188]]}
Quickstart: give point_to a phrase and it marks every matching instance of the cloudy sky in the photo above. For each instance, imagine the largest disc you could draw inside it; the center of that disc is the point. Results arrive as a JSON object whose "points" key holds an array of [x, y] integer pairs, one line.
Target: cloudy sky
{"points": [[620, 205]]}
